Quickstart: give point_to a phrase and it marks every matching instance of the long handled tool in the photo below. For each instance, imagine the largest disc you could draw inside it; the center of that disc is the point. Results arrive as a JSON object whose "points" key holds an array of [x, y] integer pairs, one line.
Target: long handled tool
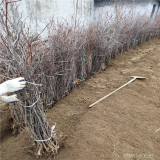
{"points": [[133, 79]]}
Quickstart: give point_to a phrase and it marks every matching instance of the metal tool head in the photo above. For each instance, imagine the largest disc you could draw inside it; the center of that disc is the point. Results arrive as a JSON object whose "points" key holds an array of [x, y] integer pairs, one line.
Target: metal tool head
{"points": [[138, 77]]}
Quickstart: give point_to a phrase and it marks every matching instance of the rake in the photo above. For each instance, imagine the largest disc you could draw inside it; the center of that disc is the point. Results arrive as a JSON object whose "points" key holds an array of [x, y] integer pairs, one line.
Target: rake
{"points": [[133, 79]]}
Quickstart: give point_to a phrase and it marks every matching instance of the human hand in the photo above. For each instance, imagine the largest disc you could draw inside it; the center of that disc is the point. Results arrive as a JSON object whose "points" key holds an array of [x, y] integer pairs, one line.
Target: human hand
{"points": [[12, 85], [9, 99]]}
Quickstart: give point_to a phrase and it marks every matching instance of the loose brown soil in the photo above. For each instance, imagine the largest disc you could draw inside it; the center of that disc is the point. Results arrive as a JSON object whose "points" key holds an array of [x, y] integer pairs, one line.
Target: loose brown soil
{"points": [[122, 127]]}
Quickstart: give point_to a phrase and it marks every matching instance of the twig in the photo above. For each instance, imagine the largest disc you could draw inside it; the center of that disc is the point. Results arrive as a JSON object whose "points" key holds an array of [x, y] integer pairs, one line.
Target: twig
{"points": [[157, 130]]}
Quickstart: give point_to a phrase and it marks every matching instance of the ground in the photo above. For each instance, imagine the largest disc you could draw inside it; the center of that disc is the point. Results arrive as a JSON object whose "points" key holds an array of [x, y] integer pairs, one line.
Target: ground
{"points": [[121, 127]]}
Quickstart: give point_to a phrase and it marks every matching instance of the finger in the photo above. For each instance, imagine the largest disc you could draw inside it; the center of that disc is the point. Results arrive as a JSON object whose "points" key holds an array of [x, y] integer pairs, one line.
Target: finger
{"points": [[15, 97], [22, 82], [15, 101], [20, 78], [21, 86]]}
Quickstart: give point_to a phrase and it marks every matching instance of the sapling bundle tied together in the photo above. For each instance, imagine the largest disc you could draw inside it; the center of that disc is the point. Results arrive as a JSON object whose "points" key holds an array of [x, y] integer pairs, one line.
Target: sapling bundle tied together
{"points": [[36, 122], [19, 58], [29, 112]]}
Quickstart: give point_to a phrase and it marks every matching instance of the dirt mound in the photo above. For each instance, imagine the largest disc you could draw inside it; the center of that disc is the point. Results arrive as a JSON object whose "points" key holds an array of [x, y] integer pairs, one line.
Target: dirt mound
{"points": [[120, 127]]}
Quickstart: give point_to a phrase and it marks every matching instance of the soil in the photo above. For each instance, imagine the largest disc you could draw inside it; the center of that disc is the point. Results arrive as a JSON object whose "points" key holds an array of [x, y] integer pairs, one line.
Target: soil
{"points": [[121, 127]]}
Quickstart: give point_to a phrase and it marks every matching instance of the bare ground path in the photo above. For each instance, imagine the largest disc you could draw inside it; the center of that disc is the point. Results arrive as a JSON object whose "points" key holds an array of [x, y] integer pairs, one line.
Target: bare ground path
{"points": [[122, 127]]}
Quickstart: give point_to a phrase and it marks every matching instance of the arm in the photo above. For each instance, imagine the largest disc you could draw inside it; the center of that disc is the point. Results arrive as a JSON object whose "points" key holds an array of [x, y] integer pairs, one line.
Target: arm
{"points": [[12, 85]]}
